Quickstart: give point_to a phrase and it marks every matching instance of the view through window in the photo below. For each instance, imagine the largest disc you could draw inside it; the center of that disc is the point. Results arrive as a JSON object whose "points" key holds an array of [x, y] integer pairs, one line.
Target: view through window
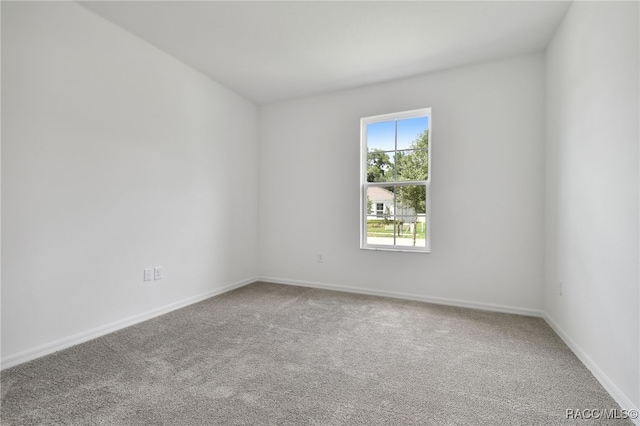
{"points": [[395, 181]]}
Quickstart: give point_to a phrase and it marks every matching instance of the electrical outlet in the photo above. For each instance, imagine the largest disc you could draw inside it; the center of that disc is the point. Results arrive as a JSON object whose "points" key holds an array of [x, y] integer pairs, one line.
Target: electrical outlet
{"points": [[319, 258], [157, 273], [148, 274]]}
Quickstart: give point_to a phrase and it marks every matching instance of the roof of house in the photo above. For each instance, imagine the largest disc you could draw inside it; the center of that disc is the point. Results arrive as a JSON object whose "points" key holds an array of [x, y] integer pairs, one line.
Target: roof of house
{"points": [[376, 193]]}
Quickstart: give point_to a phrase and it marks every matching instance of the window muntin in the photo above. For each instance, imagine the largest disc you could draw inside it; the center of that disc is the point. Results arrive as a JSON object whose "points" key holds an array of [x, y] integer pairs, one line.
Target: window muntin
{"points": [[395, 174]]}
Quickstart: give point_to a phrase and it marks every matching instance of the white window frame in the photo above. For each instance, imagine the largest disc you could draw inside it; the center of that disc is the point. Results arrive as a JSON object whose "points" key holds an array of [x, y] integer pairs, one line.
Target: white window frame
{"points": [[364, 185]]}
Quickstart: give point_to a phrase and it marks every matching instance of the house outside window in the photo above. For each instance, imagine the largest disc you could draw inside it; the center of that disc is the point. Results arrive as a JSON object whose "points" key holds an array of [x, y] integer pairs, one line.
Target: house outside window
{"points": [[395, 181]]}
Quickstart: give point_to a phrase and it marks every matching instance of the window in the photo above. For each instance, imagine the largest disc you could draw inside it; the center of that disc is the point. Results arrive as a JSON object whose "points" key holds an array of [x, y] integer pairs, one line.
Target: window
{"points": [[395, 179]]}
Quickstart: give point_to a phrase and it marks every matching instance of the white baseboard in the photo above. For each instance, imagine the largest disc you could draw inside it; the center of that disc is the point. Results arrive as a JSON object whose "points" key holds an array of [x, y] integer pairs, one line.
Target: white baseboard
{"points": [[85, 336], [409, 296], [624, 402]]}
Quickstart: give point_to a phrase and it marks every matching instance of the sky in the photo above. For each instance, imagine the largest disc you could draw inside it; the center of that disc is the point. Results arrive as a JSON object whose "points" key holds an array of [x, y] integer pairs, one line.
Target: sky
{"points": [[382, 135]]}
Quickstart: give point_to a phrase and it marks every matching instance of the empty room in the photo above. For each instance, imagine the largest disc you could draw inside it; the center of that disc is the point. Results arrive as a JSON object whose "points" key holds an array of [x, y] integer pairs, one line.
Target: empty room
{"points": [[328, 213]]}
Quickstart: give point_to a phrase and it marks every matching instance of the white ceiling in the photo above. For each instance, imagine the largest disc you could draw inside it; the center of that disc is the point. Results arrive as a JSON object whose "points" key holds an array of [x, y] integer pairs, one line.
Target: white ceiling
{"points": [[269, 51]]}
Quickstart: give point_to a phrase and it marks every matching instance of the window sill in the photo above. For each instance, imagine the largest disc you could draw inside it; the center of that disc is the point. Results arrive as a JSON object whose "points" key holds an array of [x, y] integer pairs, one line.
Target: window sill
{"points": [[400, 249]]}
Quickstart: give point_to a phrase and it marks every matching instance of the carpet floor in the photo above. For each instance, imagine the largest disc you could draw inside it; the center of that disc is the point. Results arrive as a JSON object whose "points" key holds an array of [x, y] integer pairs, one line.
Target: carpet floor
{"points": [[269, 354]]}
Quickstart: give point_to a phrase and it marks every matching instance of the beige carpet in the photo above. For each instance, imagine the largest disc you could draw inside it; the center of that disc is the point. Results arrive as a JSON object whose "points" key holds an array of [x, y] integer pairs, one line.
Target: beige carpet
{"points": [[270, 354]]}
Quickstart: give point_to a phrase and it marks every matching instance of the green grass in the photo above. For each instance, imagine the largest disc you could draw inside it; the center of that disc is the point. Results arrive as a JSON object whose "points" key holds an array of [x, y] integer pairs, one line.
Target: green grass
{"points": [[377, 228]]}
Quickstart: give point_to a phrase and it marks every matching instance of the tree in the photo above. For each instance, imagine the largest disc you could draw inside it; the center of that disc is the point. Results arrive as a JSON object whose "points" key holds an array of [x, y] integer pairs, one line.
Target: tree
{"points": [[369, 205], [379, 167], [386, 215], [414, 165]]}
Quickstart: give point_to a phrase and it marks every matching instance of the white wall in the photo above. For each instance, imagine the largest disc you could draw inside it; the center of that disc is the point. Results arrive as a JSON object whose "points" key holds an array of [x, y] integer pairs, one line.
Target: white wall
{"points": [[592, 189], [487, 187], [115, 157]]}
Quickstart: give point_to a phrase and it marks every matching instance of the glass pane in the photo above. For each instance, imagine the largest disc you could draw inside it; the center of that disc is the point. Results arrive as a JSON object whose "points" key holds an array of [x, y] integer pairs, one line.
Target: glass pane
{"points": [[380, 166], [379, 202], [411, 200], [411, 131], [412, 165], [380, 231], [411, 231], [381, 136]]}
